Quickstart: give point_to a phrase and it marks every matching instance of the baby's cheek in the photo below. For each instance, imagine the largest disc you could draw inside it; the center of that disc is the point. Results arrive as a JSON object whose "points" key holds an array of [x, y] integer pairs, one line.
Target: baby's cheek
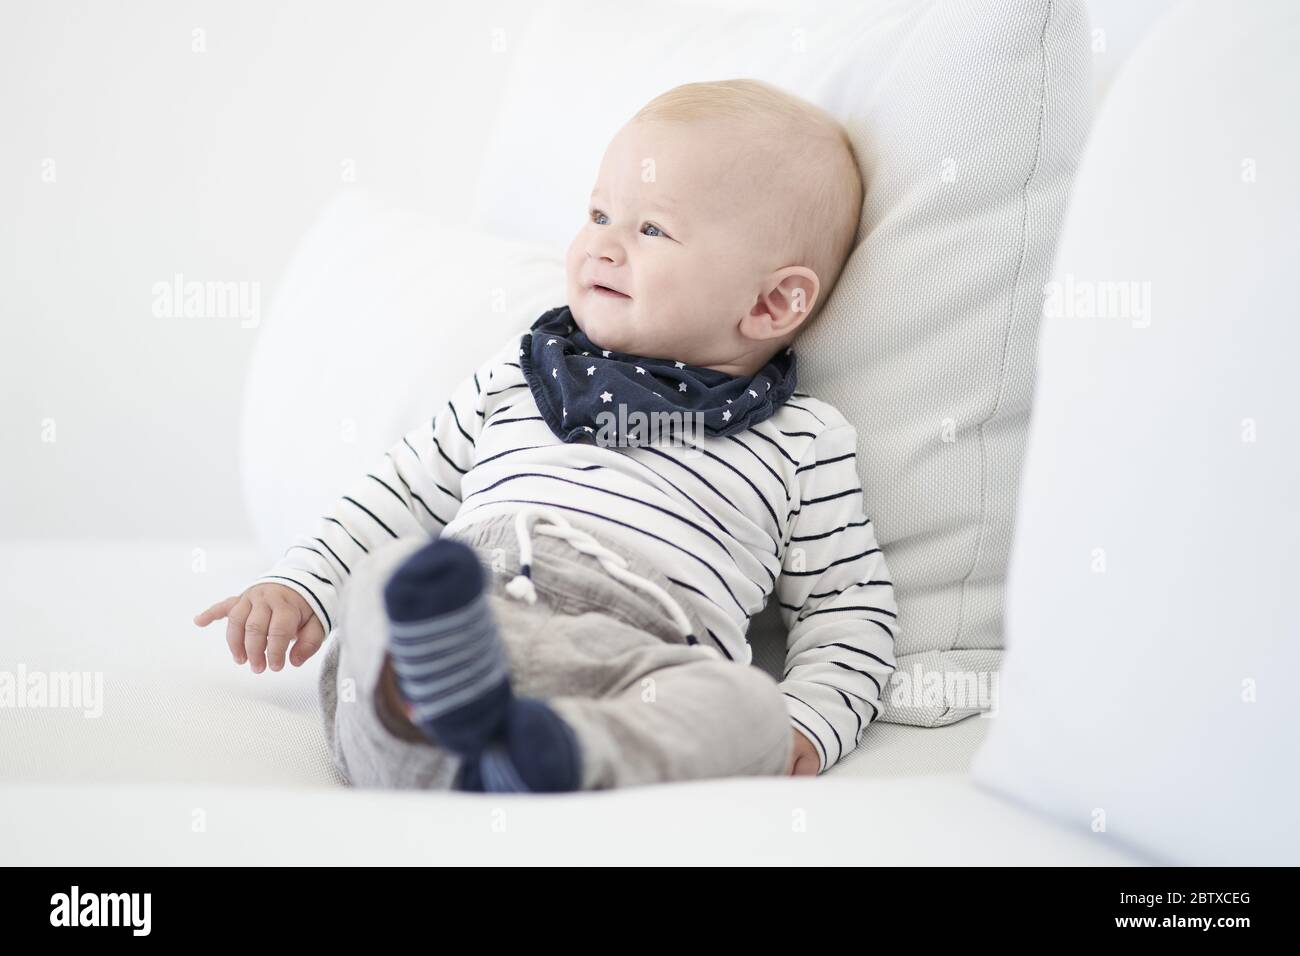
{"points": [[573, 260]]}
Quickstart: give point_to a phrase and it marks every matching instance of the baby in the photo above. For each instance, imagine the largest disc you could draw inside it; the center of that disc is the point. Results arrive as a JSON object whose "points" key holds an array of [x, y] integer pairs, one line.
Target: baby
{"points": [[612, 496]]}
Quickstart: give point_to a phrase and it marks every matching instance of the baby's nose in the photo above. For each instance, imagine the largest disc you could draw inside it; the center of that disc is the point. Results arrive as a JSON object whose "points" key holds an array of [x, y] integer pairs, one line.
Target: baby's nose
{"points": [[604, 248]]}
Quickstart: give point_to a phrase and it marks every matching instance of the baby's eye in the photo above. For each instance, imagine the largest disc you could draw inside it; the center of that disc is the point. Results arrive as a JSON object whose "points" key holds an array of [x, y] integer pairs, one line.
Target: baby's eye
{"points": [[657, 230], [596, 215]]}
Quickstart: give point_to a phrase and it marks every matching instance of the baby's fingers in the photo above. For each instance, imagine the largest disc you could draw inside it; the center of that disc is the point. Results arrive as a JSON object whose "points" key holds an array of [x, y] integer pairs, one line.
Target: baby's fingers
{"points": [[805, 766], [284, 621], [216, 612], [235, 629], [310, 637], [255, 631]]}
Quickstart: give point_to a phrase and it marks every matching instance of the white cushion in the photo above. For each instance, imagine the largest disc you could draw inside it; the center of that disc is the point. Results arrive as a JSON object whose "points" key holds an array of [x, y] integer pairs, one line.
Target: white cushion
{"points": [[379, 314], [1117, 26], [968, 119], [754, 821], [1149, 685]]}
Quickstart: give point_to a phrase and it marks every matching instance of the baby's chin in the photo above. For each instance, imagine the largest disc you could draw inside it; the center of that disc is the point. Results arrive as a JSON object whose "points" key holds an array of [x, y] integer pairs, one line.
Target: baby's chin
{"points": [[609, 324]]}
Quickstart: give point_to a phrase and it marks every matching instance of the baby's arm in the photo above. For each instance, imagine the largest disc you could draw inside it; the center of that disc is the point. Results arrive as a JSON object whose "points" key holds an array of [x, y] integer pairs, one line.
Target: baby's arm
{"points": [[414, 488], [837, 601]]}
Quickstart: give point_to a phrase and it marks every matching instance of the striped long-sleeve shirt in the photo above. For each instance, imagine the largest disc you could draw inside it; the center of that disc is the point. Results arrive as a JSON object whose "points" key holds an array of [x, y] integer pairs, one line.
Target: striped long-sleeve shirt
{"points": [[730, 521]]}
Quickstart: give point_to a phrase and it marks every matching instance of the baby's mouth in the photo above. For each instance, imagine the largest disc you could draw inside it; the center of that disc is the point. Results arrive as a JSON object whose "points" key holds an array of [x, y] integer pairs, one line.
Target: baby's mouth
{"points": [[611, 293]]}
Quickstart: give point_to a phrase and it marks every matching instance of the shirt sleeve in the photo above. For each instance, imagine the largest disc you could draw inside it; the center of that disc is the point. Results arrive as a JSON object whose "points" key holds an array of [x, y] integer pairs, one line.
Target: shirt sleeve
{"points": [[413, 488], [836, 601]]}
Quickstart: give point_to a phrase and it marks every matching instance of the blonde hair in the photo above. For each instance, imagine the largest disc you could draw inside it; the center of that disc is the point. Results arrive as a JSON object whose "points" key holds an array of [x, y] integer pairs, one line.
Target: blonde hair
{"points": [[817, 223]]}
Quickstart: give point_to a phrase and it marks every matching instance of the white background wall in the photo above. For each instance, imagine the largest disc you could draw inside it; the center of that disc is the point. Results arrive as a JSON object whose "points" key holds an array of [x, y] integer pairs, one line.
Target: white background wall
{"points": [[127, 156], [209, 164]]}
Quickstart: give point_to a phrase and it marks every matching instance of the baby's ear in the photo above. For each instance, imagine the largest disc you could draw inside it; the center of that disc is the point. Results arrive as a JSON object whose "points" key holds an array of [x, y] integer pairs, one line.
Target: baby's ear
{"points": [[803, 288], [790, 296]]}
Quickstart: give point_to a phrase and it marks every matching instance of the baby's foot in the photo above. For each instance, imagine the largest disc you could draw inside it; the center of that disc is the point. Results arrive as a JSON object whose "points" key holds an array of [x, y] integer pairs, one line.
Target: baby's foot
{"points": [[392, 709], [539, 752], [448, 659], [452, 671]]}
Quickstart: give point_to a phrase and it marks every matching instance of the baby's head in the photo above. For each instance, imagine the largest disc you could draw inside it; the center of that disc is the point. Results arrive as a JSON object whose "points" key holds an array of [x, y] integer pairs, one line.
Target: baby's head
{"points": [[723, 213]]}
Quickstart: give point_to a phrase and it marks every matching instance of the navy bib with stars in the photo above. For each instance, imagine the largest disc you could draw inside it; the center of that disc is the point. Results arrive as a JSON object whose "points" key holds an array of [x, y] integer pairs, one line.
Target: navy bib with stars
{"points": [[581, 388]]}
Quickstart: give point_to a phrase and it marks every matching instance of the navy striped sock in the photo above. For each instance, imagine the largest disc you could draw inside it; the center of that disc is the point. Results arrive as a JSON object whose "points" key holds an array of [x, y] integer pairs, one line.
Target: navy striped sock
{"points": [[539, 752], [452, 670], [447, 657]]}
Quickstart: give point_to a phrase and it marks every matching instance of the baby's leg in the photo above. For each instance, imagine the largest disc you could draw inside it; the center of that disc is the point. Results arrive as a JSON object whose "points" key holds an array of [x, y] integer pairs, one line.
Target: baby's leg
{"points": [[364, 745], [645, 711], [451, 671], [638, 709]]}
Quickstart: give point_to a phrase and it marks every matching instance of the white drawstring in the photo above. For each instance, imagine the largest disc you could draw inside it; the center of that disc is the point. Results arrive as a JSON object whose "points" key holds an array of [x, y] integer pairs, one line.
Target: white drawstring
{"points": [[557, 526]]}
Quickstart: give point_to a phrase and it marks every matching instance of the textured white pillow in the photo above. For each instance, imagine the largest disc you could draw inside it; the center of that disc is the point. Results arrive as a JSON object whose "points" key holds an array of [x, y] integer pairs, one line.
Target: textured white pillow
{"points": [[1149, 684], [380, 313], [968, 118]]}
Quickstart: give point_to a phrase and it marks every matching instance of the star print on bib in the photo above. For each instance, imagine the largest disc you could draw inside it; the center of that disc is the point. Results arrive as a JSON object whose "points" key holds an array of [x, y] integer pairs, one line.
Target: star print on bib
{"points": [[589, 394]]}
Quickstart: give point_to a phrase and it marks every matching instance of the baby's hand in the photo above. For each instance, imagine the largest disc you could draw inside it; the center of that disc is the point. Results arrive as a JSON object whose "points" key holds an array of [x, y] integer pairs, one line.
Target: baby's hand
{"points": [[803, 759], [263, 621]]}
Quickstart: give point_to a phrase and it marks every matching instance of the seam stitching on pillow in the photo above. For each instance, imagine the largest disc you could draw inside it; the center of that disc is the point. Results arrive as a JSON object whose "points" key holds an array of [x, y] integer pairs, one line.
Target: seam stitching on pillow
{"points": [[1011, 322]]}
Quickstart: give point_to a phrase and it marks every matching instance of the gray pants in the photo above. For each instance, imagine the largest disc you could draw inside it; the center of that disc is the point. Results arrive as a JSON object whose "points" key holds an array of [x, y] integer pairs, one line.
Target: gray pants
{"points": [[646, 706]]}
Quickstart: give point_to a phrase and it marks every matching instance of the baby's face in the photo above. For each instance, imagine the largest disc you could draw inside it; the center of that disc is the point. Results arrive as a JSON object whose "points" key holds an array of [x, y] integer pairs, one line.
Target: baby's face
{"points": [[670, 258]]}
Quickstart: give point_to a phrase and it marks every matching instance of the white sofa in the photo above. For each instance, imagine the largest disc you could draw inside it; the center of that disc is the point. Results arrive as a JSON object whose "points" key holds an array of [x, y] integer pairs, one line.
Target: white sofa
{"points": [[194, 761]]}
